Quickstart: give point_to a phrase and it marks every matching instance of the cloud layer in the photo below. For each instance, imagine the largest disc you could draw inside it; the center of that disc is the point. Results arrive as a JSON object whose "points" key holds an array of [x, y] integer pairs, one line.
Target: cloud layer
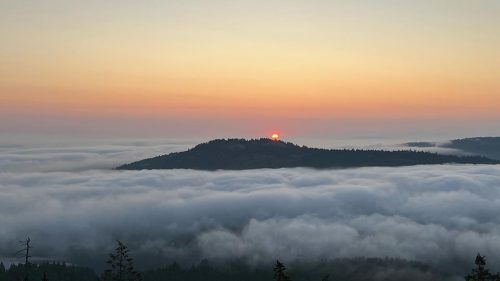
{"points": [[50, 156], [436, 214]]}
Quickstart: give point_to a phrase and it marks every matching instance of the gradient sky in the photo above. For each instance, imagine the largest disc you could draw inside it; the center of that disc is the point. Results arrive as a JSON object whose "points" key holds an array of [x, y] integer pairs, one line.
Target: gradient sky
{"points": [[246, 68]]}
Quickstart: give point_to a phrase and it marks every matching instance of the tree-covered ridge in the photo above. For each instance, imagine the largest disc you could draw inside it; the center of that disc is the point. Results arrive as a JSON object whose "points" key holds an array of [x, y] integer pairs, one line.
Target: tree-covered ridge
{"points": [[240, 154], [51, 272], [348, 269], [483, 146]]}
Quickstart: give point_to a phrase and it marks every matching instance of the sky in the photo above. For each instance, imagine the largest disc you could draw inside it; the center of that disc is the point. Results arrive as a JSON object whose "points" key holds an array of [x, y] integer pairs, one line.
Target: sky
{"points": [[247, 68]]}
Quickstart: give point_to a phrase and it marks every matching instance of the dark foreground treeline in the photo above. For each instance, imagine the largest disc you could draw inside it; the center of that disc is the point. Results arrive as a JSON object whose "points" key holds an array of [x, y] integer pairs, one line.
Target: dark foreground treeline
{"points": [[356, 269], [48, 272], [120, 267]]}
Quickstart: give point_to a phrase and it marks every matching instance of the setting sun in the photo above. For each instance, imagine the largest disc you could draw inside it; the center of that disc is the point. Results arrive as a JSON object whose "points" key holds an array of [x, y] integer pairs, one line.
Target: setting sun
{"points": [[275, 136]]}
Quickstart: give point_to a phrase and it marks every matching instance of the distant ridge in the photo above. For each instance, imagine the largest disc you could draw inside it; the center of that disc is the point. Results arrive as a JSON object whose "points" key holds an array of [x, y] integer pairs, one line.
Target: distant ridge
{"points": [[241, 154], [482, 146]]}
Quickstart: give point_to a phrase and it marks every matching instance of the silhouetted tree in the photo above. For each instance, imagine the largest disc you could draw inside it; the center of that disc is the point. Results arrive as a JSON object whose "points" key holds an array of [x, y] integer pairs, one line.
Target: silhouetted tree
{"points": [[24, 253], [481, 273], [279, 272], [122, 268], [25, 250], [44, 278], [326, 278]]}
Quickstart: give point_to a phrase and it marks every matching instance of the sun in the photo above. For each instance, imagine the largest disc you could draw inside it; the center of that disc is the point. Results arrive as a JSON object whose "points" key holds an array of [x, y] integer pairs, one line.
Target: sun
{"points": [[275, 136]]}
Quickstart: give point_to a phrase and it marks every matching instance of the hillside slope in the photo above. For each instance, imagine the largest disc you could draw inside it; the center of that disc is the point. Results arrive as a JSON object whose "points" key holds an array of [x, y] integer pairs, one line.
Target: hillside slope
{"points": [[239, 154]]}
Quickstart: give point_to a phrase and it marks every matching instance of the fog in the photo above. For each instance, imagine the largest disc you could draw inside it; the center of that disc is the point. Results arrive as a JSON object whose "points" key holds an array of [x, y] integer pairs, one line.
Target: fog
{"points": [[38, 154], [71, 203], [48, 155], [435, 214]]}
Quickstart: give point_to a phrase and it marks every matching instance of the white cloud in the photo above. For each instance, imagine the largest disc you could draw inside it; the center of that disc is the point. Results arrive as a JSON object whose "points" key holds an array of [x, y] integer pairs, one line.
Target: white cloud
{"points": [[435, 214], [71, 156]]}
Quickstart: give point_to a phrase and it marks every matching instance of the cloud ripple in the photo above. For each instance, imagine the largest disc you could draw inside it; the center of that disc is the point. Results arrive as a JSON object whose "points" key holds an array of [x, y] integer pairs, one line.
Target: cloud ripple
{"points": [[435, 214]]}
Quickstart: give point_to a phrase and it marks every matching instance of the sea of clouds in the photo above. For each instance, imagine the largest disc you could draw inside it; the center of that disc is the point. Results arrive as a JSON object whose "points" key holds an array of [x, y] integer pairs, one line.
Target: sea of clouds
{"points": [[441, 215], [52, 156]]}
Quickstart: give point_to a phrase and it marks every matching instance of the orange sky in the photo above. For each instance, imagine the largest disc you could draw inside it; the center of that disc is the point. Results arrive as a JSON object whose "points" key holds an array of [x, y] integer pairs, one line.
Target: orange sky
{"points": [[248, 60]]}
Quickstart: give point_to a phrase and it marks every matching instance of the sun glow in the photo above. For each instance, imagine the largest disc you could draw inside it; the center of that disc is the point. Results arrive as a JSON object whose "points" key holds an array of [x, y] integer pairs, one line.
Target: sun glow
{"points": [[275, 136]]}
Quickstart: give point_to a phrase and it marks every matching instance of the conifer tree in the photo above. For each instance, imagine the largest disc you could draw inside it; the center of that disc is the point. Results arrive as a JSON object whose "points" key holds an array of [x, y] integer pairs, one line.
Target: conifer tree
{"points": [[279, 272], [121, 266], [481, 273]]}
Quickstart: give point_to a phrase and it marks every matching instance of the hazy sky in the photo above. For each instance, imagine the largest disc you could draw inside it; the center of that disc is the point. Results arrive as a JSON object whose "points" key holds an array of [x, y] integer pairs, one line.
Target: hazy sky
{"points": [[226, 68]]}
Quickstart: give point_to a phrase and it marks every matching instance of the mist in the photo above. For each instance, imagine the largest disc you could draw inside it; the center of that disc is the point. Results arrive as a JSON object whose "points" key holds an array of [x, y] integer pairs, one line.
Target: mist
{"points": [[49, 155], [440, 215]]}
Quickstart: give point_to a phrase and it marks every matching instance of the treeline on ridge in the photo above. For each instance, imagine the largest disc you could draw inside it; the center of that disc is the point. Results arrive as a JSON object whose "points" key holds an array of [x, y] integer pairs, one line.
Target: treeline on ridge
{"points": [[240, 154]]}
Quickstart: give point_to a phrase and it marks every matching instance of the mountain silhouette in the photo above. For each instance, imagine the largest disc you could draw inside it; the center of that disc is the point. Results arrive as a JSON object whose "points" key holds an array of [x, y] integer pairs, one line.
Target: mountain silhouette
{"points": [[482, 146], [241, 154]]}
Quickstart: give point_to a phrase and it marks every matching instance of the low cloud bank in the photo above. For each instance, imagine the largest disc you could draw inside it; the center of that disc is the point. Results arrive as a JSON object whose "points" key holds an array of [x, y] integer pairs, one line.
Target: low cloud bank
{"points": [[441, 215], [73, 156]]}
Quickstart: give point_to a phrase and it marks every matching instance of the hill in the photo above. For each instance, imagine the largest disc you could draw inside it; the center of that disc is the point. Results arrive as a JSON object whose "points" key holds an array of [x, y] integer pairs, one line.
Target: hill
{"points": [[240, 154], [482, 146]]}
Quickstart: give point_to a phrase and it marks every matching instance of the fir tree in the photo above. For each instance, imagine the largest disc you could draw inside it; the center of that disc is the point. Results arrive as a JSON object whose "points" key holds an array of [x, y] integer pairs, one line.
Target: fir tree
{"points": [[121, 266], [481, 273], [279, 272], [2, 268]]}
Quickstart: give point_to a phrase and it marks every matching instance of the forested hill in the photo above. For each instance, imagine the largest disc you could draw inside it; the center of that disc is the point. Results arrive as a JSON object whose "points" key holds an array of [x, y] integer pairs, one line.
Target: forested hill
{"points": [[483, 146], [240, 154]]}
